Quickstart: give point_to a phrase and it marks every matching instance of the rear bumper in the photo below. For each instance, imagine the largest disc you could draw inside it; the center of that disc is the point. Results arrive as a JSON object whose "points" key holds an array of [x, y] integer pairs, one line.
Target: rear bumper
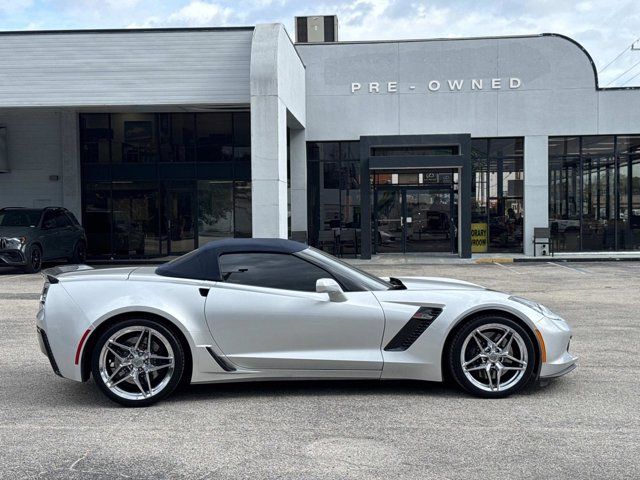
{"points": [[12, 257]]}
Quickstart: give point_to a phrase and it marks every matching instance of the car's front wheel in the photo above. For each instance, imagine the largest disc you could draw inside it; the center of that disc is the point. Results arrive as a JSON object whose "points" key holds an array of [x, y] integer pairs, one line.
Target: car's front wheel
{"points": [[492, 356], [34, 259], [137, 362]]}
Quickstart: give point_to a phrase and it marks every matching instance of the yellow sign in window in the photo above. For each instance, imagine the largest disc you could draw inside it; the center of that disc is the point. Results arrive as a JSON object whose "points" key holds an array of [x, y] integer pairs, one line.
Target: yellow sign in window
{"points": [[479, 237]]}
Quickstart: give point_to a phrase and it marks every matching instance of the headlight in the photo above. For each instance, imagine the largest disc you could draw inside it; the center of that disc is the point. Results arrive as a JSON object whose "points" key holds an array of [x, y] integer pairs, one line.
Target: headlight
{"points": [[538, 308], [17, 242]]}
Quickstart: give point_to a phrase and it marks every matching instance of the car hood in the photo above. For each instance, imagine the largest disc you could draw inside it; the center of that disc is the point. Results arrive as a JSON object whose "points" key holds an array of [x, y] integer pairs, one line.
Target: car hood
{"points": [[436, 283], [11, 232]]}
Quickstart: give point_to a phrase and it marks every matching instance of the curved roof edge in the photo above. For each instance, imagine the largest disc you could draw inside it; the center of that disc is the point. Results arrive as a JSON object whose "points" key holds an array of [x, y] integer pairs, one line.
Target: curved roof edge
{"points": [[590, 58], [492, 37]]}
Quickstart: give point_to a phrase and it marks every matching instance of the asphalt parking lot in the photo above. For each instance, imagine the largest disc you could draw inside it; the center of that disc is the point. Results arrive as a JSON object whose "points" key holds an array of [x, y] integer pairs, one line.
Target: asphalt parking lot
{"points": [[584, 425]]}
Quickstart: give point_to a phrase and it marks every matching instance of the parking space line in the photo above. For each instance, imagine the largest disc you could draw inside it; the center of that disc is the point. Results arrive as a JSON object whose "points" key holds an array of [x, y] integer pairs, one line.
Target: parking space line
{"points": [[508, 268], [573, 269]]}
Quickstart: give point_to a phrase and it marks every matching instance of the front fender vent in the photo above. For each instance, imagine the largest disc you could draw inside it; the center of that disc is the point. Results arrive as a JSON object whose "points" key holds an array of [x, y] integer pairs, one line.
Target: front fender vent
{"points": [[412, 330]]}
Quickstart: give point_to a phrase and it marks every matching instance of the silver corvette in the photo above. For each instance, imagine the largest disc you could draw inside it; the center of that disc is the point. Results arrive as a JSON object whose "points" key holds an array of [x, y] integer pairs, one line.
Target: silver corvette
{"points": [[249, 309]]}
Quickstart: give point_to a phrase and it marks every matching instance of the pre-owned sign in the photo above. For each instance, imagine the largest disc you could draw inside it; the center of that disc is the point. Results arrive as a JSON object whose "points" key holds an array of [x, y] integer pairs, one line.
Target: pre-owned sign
{"points": [[458, 85]]}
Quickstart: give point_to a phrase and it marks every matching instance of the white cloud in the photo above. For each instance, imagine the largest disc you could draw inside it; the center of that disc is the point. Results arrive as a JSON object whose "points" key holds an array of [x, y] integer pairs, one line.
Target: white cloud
{"points": [[197, 13]]}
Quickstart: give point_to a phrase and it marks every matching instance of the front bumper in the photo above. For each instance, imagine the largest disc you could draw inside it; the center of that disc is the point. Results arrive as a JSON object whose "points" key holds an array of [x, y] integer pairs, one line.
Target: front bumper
{"points": [[12, 257], [557, 338]]}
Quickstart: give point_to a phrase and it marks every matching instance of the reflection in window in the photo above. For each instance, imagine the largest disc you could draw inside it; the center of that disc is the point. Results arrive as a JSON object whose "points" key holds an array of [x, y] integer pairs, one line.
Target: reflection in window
{"points": [[167, 204], [242, 209], [593, 192], [333, 183], [134, 138], [498, 191], [95, 138], [215, 211], [177, 137], [214, 137], [271, 270]]}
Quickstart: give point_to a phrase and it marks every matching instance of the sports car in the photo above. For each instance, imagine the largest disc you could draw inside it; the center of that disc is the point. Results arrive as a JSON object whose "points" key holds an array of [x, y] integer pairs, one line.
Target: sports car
{"points": [[271, 309]]}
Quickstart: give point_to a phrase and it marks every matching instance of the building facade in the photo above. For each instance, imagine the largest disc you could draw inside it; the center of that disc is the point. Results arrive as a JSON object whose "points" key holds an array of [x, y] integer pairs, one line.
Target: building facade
{"points": [[163, 140]]}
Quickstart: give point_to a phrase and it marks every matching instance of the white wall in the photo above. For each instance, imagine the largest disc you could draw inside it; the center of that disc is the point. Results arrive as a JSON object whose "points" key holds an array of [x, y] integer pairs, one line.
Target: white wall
{"points": [[34, 151], [125, 68], [557, 95]]}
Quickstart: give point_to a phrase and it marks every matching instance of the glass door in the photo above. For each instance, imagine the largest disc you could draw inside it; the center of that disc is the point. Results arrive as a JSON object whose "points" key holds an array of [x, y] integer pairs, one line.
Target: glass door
{"points": [[428, 221], [388, 234], [180, 206]]}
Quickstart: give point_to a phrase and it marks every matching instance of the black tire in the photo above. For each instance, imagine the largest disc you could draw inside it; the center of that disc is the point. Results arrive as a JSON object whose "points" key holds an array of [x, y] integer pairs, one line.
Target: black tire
{"points": [[34, 259], [79, 253], [515, 384], [174, 376]]}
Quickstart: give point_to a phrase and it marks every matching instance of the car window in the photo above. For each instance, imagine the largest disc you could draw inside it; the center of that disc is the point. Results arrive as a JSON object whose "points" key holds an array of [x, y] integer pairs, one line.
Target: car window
{"points": [[73, 219], [272, 270], [62, 220], [49, 220], [19, 218]]}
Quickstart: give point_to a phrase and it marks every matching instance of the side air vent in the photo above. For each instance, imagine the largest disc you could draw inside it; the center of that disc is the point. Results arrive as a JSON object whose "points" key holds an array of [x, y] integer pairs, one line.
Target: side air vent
{"points": [[413, 329], [220, 361]]}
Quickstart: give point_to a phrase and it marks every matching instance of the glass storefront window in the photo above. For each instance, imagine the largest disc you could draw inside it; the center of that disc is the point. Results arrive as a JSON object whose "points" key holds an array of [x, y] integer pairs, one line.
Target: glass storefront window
{"points": [[177, 137], [498, 191], [135, 214], [214, 137], [215, 211], [95, 138], [134, 138], [143, 193], [594, 193], [333, 179]]}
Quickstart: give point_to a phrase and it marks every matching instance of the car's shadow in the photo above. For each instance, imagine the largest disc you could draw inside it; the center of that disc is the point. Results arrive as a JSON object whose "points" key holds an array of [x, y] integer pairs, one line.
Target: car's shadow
{"points": [[65, 393], [315, 388]]}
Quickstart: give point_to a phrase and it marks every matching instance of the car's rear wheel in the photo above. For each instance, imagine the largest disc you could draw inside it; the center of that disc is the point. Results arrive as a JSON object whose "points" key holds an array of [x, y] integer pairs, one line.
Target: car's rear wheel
{"points": [[34, 259], [492, 356], [137, 362], [79, 253]]}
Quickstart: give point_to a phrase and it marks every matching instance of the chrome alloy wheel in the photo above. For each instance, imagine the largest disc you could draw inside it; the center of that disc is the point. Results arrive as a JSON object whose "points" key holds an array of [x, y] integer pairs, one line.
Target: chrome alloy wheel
{"points": [[136, 363], [494, 357]]}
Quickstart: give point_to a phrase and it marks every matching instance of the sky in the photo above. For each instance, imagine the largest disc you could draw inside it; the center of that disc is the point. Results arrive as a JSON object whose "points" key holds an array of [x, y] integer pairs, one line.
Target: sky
{"points": [[605, 28]]}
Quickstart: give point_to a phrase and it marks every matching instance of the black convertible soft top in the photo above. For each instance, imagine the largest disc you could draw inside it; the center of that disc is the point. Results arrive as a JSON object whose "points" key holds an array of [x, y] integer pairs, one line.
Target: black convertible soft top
{"points": [[202, 264]]}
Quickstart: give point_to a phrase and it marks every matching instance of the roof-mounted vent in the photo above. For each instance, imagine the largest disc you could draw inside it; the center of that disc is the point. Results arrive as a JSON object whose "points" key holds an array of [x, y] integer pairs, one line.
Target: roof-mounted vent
{"points": [[319, 29]]}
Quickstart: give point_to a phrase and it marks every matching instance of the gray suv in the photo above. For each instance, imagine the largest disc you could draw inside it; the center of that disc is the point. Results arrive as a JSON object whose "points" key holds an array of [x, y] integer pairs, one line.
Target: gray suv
{"points": [[30, 236]]}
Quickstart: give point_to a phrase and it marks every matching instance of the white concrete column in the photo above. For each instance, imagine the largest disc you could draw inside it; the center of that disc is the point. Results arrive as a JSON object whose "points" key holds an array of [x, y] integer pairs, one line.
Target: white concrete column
{"points": [[536, 187], [298, 165], [277, 90], [268, 167], [70, 162]]}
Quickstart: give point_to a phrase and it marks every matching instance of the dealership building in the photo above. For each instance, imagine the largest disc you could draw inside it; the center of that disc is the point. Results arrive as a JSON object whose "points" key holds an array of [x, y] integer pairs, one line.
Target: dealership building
{"points": [[162, 140]]}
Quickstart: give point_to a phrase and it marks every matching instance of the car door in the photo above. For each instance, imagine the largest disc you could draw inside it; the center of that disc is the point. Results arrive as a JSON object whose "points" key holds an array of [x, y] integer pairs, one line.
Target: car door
{"points": [[50, 236], [267, 315], [67, 234]]}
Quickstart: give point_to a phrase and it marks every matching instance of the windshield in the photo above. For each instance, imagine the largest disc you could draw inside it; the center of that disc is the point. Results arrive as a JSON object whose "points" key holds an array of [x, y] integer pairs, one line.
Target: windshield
{"points": [[19, 218], [364, 280]]}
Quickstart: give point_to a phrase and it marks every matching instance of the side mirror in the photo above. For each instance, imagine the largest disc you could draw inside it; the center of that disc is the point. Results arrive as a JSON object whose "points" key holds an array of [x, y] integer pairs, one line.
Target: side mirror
{"points": [[330, 286]]}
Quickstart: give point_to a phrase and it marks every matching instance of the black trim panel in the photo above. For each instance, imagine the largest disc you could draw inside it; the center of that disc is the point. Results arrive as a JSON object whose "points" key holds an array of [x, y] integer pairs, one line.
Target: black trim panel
{"points": [[47, 347], [220, 361], [412, 330]]}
